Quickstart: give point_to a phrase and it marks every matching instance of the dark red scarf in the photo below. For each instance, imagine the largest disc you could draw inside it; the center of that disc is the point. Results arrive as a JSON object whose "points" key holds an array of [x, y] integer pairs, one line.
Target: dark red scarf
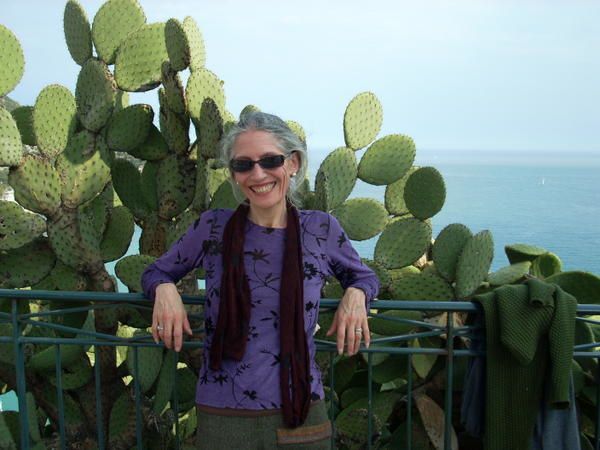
{"points": [[231, 333]]}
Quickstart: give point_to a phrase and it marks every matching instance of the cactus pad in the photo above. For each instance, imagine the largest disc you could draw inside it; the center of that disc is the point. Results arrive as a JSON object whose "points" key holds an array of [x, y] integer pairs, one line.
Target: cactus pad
{"points": [[336, 178], [523, 252], [36, 184], [176, 178], [122, 419], [117, 235], [25, 266], [149, 362], [128, 128], [297, 129], [195, 43], [62, 278], [447, 248], [474, 263], [17, 226], [173, 90], [175, 130], [402, 243], [166, 381], [224, 198], [12, 61], [584, 286], [140, 59], [54, 119], [248, 109], [23, 116], [75, 245], [509, 274], [387, 159], [201, 195], [422, 286], [390, 323], [126, 180], [178, 229], [425, 192], [177, 43], [546, 265], [75, 376], [203, 84], [95, 93], [154, 147], [361, 218], [394, 194], [77, 32], [362, 120], [114, 21], [129, 270], [148, 184], [10, 140], [84, 168], [210, 129]]}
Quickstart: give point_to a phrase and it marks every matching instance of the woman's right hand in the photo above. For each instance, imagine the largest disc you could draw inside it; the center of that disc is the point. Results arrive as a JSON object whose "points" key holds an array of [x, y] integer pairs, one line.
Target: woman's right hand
{"points": [[171, 315]]}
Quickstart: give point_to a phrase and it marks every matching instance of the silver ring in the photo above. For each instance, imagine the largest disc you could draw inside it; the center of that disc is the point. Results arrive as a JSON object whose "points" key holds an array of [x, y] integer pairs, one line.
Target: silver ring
{"points": [[159, 328], [358, 330]]}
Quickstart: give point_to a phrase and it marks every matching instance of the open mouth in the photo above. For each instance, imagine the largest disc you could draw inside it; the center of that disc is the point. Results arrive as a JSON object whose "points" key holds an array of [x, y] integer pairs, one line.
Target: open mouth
{"points": [[263, 188]]}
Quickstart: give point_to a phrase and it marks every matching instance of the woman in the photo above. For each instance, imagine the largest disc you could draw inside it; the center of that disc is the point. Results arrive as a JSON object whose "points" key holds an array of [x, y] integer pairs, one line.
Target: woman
{"points": [[265, 266]]}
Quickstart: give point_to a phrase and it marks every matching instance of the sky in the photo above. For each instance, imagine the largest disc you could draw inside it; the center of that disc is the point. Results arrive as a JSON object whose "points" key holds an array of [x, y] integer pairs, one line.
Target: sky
{"points": [[481, 75]]}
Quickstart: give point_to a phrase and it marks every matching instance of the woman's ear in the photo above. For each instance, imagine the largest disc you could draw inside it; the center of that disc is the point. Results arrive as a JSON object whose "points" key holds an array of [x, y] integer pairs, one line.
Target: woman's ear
{"points": [[294, 164]]}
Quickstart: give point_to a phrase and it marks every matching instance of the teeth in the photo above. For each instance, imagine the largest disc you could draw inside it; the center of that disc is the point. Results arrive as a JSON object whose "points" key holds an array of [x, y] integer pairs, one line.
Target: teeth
{"points": [[265, 188]]}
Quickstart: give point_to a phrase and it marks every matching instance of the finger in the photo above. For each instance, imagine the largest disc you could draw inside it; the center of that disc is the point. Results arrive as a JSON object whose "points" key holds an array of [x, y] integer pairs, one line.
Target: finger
{"points": [[155, 322], [350, 337], [341, 338], [367, 332], [177, 334], [167, 333], [357, 339], [186, 325], [333, 326]]}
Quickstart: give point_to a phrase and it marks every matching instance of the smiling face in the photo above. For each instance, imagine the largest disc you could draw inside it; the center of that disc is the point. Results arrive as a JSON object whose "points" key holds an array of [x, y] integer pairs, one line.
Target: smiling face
{"points": [[265, 189]]}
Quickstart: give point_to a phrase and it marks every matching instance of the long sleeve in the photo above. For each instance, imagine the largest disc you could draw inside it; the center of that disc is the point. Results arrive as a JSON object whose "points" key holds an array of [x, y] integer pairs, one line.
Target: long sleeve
{"points": [[561, 338], [184, 255], [346, 265]]}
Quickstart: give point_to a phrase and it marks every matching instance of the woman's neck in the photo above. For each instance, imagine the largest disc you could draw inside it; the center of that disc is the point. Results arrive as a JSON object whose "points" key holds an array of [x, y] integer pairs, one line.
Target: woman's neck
{"points": [[275, 217]]}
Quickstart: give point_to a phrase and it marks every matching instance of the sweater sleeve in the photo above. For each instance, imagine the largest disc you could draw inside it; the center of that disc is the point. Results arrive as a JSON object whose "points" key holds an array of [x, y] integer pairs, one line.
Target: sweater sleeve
{"points": [[346, 265], [561, 339], [184, 256]]}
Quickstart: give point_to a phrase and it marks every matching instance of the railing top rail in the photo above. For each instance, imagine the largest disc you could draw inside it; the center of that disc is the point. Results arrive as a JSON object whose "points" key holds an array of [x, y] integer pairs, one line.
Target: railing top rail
{"points": [[419, 305]]}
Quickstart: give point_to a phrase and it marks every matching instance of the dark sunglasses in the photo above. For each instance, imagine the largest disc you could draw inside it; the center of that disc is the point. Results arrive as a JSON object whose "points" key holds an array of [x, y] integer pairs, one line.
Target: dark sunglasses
{"points": [[267, 162]]}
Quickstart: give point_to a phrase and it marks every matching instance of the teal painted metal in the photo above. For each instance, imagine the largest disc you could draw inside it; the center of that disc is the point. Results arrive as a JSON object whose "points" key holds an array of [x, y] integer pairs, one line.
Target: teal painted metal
{"points": [[449, 379], [387, 345]]}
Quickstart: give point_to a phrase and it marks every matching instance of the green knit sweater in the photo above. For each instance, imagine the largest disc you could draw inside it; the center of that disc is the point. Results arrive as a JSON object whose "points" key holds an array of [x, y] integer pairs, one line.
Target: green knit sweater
{"points": [[530, 331]]}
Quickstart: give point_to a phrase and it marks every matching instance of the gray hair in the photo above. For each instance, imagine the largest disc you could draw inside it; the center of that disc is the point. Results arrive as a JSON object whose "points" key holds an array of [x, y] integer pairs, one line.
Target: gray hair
{"points": [[287, 141]]}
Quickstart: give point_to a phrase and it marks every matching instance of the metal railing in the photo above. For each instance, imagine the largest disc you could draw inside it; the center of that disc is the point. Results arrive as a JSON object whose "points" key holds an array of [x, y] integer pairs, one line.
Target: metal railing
{"points": [[11, 300]]}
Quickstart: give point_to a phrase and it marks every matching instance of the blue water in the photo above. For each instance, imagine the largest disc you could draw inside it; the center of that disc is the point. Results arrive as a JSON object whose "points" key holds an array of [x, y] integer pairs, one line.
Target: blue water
{"points": [[551, 200]]}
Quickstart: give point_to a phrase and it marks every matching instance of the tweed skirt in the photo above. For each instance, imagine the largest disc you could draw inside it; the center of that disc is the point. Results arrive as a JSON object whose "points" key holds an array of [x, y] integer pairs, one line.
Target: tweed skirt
{"points": [[221, 429]]}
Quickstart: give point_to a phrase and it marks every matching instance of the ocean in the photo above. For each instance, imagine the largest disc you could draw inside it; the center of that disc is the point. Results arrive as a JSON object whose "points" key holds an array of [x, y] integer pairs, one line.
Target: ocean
{"points": [[547, 199]]}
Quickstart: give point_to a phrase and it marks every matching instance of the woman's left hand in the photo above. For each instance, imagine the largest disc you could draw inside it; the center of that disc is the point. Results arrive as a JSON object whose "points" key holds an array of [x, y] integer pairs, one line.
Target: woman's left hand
{"points": [[350, 322]]}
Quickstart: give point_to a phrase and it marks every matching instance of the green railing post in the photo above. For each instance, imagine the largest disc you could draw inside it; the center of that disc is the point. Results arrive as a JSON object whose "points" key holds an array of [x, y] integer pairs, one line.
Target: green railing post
{"points": [[370, 398], [409, 404], [59, 398], [98, 392], [449, 380], [138, 402], [20, 373]]}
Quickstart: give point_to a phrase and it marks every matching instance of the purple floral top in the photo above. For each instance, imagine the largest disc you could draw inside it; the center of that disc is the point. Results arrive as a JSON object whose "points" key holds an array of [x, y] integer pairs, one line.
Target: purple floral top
{"points": [[253, 383]]}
